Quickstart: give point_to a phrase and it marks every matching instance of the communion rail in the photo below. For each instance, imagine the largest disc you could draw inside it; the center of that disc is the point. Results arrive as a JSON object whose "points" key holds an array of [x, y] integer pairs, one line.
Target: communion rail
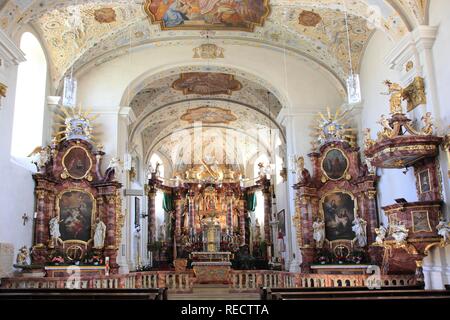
{"points": [[251, 281], [181, 282]]}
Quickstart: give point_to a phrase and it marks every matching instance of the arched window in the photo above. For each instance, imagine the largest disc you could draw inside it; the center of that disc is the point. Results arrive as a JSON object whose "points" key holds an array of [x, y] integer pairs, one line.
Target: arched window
{"points": [[30, 98], [161, 217]]}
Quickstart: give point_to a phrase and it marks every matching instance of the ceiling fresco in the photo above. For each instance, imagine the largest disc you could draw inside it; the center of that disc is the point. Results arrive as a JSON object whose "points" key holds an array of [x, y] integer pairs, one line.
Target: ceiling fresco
{"points": [[206, 83], [98, 31], [207, 14]]}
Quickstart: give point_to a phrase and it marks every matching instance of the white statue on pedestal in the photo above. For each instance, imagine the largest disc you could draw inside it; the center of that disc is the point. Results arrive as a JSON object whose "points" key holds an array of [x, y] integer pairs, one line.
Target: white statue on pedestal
{"points": [[359, 228], [443, 230], [54, 229], [319, 232], [399, 232], [99, 234], [381, 234]]}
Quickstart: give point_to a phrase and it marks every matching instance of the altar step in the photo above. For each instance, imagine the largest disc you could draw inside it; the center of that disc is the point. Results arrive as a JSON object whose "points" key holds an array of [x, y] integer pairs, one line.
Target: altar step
{"points": [[212, 292]]}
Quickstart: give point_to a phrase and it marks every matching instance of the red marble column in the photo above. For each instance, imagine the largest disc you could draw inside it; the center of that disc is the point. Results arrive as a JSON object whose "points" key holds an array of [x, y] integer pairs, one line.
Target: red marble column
{"points": [[372, 221], [267, 215], [191, 213], [41, 228], [242, 215], [229, 200], [151, 195], [178, 209]]}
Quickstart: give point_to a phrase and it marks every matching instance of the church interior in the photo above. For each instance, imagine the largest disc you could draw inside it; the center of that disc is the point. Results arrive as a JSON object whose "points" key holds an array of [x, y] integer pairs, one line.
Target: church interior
{"points": [[224, 149]]}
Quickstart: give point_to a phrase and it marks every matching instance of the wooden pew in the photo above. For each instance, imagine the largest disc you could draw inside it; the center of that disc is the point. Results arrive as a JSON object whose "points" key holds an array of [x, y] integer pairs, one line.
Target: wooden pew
{"points": [[84, 294], [364, 295], [266, 292]]}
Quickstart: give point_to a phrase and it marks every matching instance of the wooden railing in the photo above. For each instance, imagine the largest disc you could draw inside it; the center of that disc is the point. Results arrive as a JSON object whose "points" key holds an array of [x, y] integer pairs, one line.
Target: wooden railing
{"points": [[182, 282], [176, 282]]}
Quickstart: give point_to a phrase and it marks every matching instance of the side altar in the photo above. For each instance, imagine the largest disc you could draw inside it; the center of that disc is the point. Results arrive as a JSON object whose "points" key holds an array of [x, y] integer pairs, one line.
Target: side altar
{"points": [[78, 219]]}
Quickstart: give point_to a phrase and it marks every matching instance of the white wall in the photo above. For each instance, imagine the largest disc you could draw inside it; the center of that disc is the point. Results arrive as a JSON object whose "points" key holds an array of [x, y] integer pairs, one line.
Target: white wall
{"points": [[393, 183], [437, 264], [17, 186]]}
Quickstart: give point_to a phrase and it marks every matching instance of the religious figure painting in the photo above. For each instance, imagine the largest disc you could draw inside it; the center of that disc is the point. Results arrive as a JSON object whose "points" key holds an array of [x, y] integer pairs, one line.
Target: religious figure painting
{"points": [[208, 14], [338, 209], [75, 214], [334, 164], [421, 222], [424, 181], [206, 83], [77, 163], [281, 222]]}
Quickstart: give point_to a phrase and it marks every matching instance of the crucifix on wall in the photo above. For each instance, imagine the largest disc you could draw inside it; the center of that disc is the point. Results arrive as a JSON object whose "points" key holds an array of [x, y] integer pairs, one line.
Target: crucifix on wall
{"points": [[25, 218]]}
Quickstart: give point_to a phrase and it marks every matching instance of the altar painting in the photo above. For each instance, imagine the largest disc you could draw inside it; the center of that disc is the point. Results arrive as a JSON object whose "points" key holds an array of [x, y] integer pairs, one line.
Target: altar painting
{"points": [[76, 209], [335, 164], [339, 213], [207, 14]]}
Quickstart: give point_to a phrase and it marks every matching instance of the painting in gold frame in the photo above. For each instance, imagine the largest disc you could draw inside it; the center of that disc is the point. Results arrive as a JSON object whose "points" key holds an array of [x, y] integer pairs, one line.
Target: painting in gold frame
{"points": [[207, 14], [338, 209], [424, 181], [420, 221], [77, 163], [335, 164], [76, 211]]}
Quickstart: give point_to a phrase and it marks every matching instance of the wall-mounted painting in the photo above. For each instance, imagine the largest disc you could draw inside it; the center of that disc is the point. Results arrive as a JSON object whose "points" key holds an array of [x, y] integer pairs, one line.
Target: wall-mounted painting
{"points": [[77, 163], [334, 164], [76, 210], [420, 221], [282, 222], [338, 210], [208, 14], [137, 212], [424, 181]]}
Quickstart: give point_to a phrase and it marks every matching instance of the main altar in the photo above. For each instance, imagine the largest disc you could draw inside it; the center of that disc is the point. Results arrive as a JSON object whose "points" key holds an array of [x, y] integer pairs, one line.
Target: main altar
{"points": [[208, 226]]}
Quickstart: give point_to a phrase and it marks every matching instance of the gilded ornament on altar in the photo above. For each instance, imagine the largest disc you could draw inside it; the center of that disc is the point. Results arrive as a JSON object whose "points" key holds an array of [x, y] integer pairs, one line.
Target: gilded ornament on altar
{"points": [[414, 94], [409, 65], [368, 142], [208, 51], [73, 124], [332, 127], [387, 131]]}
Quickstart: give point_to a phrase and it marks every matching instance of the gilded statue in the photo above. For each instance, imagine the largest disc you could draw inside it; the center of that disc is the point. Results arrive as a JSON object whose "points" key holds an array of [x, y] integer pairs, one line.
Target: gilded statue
{"points": [[397, 94], [428, 124], [387, 129], [303, 175], [22, 258]]}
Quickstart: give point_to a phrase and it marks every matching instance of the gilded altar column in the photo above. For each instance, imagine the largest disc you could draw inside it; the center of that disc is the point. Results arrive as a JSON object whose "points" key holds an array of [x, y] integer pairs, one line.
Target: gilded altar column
{"points": [[178, 209], [151, 195]]}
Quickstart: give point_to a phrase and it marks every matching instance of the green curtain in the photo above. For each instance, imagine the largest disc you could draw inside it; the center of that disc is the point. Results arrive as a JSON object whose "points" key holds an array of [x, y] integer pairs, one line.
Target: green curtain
{"points": [[251, 201], [168, 204]]}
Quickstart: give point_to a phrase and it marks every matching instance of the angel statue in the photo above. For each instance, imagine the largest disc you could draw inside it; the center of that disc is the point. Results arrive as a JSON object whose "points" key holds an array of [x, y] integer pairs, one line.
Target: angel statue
{"points": [[368, 142], [54, 229], [22, 258], [443, 229], [396, 92], [359, 228], [158, 170], [114, 169], [40, 156], [387, 129], [381, 234], [319, 232], [261, 170], [428, 124], [399, 232], [99, 234]]}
